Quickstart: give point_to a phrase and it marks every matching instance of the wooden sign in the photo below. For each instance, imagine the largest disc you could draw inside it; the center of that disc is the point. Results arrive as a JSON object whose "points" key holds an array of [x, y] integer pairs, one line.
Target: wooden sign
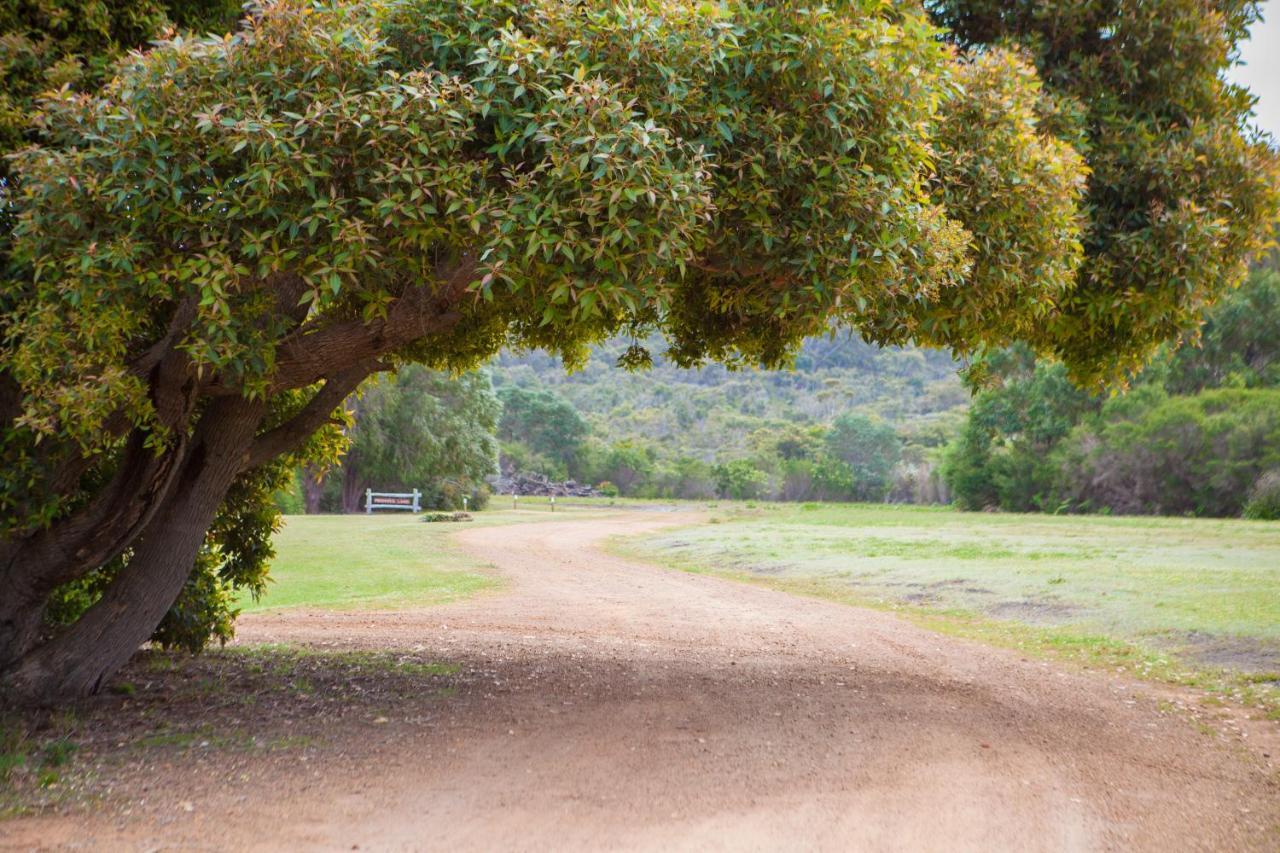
{"points": [[411, 501]]}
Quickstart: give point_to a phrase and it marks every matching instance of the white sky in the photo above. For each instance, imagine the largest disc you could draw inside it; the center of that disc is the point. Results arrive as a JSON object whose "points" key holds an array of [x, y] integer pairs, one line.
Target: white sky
{"points": [[1261, 69]]}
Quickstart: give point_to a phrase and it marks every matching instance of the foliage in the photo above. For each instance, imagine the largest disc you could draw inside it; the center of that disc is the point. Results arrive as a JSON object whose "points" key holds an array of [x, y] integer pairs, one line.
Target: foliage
{"points": [[1013, 452], [427, 430], [690, 420], [626, 465], [48, 44], [740, 480], [1000, 460], [543, 422], [1238, 343], [1147, 453], [1264, 499], [865, 452], [434, 517], [1178, 197], [289, 500]]}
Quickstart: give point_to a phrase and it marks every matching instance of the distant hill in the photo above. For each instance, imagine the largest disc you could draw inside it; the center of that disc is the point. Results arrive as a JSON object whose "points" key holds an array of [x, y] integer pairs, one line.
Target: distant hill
{"points": [[710, 413]]}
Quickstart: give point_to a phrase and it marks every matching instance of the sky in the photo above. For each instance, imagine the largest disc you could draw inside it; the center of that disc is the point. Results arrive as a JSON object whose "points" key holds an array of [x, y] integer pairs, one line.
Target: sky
{"points": [[1261, 69]]}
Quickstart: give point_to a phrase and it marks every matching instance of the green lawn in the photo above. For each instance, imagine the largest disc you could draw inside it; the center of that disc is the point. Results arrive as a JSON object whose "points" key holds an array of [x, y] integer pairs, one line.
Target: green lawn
{"points": [[344, 561], [1195, 597]]}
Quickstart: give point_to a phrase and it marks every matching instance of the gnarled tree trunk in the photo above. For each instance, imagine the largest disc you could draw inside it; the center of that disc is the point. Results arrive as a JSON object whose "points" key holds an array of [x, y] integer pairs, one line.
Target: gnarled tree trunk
{"points": [[158, 505], [77, 661]]}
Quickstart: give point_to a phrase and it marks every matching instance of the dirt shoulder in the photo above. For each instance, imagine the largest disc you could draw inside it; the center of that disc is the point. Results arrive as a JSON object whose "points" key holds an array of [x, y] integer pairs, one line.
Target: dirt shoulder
{"points": [[601, 703]]}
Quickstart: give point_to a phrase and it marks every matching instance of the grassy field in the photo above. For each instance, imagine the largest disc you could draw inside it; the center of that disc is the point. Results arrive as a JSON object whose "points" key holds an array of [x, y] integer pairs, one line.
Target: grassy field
{"points": [[1187, 600], [344, 561], [1192, 600]]}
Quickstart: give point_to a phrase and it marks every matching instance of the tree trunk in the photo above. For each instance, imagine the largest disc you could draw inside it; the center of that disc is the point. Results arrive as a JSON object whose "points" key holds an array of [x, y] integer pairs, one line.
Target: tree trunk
{"points": [[353, 485], [312, 489], [77, 661]]}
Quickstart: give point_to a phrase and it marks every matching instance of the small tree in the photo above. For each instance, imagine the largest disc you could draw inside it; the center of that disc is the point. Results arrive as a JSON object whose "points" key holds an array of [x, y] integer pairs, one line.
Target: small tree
{"points": [[543, 422], [864, 453], [214, 250]]}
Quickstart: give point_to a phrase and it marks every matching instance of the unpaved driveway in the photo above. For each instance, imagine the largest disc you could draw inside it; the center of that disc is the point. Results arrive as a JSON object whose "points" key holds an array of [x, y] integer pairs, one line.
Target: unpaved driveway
{"points": [[615, 705]]}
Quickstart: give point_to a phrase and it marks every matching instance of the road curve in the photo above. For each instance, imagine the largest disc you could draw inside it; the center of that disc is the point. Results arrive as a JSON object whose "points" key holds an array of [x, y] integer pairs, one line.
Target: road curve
{"points": [[608, 704]]}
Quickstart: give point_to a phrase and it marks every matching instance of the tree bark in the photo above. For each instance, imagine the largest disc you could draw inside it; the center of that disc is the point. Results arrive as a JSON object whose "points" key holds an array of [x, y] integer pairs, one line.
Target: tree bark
{"points": [[312, 489], [353, 486], [77, 661], [160, 506]]}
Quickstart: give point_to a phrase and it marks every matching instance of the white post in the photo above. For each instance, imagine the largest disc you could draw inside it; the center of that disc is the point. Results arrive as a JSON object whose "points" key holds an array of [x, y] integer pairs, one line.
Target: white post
{"points": [[368, 501], [417, 495], [464, 503]]}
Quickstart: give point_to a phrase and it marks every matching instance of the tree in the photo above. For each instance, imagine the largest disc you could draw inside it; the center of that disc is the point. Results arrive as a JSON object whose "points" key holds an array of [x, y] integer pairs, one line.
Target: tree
{"points": [[1002, 456], [627, 465], [864, 453], [1238, 343], [423, 429], [1178, 197], [739, 479], [211, 252], [543, 422]]}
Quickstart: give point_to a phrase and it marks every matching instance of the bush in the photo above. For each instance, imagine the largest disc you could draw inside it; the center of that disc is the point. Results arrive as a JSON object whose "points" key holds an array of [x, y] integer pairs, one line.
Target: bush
{"points": [[432, 517], [740, 479], [1264, 500], [866, 451], [447, 494], [609, 490], [1147, 454]]}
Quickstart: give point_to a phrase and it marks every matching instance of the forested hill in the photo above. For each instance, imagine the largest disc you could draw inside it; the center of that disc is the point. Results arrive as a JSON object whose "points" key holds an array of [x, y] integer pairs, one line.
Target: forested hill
{"points": [[712, 413]]}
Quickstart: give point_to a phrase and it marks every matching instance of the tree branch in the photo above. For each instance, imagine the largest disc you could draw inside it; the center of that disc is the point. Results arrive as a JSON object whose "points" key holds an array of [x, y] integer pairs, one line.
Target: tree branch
{"points": [[315, 414]]}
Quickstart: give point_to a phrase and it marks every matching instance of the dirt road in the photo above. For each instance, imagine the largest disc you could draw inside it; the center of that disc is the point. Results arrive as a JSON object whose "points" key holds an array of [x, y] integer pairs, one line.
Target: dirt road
{"points": [[605, 704]]}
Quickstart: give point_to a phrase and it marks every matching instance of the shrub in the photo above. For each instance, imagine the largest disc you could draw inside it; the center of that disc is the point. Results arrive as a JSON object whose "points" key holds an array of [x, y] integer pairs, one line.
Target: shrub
{"points": [[1147, 454], [1264, 500], [739, 479]]}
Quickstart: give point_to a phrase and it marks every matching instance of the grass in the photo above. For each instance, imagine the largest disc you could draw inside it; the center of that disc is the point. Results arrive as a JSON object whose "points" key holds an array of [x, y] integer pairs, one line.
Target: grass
{"points": [[379, 561], [1192, 601]]}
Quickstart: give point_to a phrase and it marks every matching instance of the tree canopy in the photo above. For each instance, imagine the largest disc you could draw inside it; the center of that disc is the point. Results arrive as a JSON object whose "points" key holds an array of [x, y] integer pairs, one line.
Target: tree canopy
{"points": [[209, 252]]}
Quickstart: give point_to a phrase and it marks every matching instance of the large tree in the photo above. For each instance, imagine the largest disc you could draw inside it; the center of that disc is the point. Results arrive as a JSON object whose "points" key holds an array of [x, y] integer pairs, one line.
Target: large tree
{"points": [[208, 254]]}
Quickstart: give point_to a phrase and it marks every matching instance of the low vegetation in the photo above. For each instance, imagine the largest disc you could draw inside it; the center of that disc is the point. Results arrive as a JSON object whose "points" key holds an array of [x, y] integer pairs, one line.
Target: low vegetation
{"points": [[1189, 600]]}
